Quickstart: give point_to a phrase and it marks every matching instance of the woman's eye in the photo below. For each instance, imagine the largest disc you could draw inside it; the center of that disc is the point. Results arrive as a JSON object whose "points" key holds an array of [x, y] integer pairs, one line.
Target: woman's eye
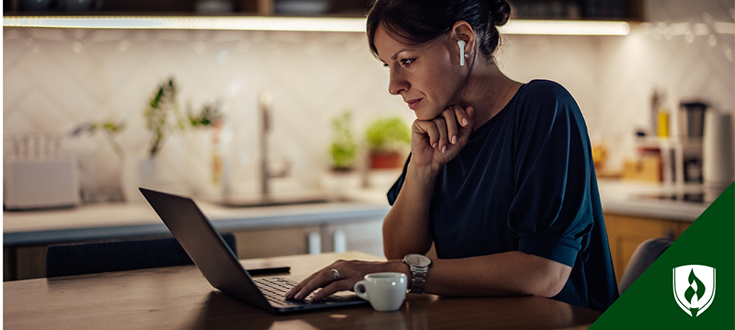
{"points": [[407, 62]]}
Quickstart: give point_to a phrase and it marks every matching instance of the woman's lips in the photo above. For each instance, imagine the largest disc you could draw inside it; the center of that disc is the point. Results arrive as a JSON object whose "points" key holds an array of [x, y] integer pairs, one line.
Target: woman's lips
{"points": [[413, 103]]}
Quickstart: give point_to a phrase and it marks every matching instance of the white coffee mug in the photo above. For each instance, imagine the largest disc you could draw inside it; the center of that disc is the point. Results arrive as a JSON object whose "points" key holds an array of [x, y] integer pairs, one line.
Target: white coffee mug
{"points": [[385, 291]]}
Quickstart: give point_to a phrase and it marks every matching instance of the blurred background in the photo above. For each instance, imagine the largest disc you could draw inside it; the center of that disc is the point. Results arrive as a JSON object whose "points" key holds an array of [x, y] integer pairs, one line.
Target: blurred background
{"points": [[58, 79], [83, 106]]}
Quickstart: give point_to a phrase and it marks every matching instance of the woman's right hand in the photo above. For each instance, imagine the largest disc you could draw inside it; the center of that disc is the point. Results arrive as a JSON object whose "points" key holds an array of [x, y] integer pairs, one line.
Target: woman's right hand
{"points": [[437, 141]]}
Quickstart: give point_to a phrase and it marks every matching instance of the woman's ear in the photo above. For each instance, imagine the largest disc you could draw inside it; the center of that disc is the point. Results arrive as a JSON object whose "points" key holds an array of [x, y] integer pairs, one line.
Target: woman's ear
{"points": [[463, 31], [463, 37]]}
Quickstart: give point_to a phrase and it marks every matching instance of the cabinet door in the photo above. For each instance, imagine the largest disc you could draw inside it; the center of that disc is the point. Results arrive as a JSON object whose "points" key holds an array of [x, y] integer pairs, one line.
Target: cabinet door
{"points": [[364, 236], [273, 242], [625, 233], [354, 8], [576, 9], [24, 262]]}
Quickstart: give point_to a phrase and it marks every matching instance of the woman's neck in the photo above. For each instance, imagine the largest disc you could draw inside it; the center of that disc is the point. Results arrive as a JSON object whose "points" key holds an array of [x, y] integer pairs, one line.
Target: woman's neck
{"points": [[488, 91]]}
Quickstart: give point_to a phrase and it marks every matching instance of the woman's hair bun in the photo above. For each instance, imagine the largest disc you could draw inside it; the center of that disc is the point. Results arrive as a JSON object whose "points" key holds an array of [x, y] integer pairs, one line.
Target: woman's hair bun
{"points": [[500, 11], [416, 22]]}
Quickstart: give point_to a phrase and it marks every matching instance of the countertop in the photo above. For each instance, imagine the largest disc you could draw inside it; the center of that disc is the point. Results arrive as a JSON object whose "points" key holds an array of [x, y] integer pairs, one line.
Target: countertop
{"points": [[97, 221], [644, 199], [111, 220]]}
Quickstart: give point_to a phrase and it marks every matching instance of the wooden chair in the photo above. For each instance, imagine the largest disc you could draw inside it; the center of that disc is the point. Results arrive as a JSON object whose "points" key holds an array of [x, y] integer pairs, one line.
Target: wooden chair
{"points": [[118, 255]]}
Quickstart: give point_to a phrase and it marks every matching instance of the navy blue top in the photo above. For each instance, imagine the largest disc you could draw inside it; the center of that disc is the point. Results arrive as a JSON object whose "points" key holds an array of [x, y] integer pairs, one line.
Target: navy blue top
{"points": [[525, 181]]}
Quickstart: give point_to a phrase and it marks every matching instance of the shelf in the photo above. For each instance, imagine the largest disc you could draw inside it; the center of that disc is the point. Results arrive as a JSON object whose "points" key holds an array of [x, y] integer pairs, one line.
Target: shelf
{"points": [[302, 8], [605, 10]]}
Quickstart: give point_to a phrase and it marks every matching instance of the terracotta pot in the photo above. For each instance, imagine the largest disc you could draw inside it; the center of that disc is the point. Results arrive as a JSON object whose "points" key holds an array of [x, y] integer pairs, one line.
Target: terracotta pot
{"points": [[385, 160]]}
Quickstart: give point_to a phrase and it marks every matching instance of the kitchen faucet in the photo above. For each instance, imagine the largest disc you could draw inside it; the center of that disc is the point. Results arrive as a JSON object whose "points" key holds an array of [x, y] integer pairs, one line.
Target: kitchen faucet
{"points": [[266, 173]]}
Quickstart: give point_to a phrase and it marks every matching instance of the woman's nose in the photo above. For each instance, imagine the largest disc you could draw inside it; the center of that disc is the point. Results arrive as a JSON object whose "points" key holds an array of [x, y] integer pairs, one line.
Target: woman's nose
{"points": [[397, 84]]}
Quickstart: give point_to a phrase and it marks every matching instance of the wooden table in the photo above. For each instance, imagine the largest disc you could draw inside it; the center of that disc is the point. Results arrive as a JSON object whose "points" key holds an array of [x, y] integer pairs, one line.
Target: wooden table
{"points": [[180, 298]]}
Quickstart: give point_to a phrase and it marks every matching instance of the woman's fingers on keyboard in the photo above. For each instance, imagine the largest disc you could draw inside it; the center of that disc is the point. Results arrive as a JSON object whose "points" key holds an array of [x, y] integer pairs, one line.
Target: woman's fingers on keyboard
{"points": [[311, 283], [333, 288], [339, 276]]}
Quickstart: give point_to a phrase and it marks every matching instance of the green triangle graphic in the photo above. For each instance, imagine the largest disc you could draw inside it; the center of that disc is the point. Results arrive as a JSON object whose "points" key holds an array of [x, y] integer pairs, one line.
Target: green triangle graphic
{"points": [[649, 303]]}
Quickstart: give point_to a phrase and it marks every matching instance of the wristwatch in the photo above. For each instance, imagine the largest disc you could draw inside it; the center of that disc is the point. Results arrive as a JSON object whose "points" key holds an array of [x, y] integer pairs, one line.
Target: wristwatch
{"points": [[419, 265]]}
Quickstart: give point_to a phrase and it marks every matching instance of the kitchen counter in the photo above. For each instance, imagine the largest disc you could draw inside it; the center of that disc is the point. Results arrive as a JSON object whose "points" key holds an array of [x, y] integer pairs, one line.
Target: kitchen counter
{"points": [[651, 199], [96, 221], [638, 211], [138, 219]]}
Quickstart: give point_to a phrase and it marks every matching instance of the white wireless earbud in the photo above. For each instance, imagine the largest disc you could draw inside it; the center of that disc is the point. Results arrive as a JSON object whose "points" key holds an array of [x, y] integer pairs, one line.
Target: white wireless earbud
{"points": [[462, 55]]}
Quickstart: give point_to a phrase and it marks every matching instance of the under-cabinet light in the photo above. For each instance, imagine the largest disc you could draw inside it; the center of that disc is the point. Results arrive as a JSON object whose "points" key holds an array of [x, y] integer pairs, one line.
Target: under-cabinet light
{"points": [[541, 27], [292, 24], [191, 23]]}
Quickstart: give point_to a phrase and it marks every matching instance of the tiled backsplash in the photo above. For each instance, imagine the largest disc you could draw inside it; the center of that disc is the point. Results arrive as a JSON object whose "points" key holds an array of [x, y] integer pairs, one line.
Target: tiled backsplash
{"points": [[679, 52], [56, 79]]}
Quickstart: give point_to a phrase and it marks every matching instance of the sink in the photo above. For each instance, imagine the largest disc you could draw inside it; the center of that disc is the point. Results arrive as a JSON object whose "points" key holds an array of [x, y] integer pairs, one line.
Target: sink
{"points": [[282, 191], [681, 197], [244, 202], [702, 196], [279, 199]]}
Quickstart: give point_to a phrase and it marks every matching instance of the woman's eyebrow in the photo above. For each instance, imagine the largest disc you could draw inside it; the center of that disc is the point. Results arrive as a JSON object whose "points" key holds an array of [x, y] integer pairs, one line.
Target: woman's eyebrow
{"points": [[396, 54], [393, 58]]}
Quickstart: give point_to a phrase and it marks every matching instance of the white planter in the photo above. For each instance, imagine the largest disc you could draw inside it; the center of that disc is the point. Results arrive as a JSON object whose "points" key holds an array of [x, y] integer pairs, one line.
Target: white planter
{"points": [[338, 184], [138, 173]]}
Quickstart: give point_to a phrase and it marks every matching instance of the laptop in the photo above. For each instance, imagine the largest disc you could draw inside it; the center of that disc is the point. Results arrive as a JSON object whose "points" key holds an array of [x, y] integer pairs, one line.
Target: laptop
{"points": [[220, 266]]}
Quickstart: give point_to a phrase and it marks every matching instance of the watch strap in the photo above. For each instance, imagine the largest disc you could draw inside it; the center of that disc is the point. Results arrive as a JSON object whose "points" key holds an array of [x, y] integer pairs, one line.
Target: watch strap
{"points": [[418, 279]]}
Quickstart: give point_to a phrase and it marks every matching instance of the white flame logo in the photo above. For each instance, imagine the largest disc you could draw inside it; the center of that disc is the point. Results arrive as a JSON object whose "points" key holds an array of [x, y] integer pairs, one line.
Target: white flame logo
{"points": [[694, 288]]}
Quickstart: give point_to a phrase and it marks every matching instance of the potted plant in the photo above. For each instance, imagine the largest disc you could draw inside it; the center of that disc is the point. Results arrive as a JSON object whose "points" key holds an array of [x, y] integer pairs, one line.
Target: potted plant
{"points": [[386, 138], [162, 116], [207, 139], [343, 152], [209, 116], [110, 190], [343, 149]]}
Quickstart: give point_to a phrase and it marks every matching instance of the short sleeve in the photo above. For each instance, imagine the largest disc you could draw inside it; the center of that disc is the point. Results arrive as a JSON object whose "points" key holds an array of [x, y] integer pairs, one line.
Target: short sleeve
{"points": [[396, 188], [551, 212]]}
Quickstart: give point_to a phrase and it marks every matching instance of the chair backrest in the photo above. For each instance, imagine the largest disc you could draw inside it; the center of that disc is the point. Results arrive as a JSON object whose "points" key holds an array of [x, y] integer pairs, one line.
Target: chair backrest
{"points": [[119, 254], [643, 256]]}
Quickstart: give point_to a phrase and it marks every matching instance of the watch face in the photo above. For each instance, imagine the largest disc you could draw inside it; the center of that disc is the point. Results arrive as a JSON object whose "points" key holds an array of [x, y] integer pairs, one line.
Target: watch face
{"points": [[418, 260]]}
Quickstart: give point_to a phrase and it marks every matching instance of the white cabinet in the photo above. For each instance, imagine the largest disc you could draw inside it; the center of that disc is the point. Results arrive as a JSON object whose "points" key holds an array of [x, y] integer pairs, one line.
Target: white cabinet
{"points": [[364, 236]]}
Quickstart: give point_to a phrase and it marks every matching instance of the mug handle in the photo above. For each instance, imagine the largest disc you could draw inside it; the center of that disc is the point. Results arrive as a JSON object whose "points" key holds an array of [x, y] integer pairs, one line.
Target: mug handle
{"points": [[360, 290]]}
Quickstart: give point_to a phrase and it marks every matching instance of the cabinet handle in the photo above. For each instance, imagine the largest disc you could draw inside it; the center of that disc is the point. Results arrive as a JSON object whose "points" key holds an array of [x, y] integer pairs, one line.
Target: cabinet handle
{"points": [[315, 243], [339, 241]]}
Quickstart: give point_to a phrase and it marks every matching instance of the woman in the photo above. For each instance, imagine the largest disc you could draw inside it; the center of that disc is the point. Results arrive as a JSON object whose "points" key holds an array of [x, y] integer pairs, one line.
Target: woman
{"points": [[500, 177]]}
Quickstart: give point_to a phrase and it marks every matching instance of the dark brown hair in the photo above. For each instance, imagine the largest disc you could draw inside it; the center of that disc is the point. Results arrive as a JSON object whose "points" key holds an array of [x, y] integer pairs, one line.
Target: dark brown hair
{"points": [[419, 21]]}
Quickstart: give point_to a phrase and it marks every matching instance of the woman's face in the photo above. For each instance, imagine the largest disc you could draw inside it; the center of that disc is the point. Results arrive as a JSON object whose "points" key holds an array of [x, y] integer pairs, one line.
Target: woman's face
{"points": [[426, 76]]}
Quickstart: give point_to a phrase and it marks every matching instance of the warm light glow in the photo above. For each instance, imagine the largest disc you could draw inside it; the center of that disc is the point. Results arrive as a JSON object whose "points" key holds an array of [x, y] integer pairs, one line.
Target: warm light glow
{"points": [[320, 24], [191, 23], [540, 27]]}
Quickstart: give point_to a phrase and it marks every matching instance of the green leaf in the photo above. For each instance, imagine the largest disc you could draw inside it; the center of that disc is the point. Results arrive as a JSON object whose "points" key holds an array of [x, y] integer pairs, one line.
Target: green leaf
{"points": [[388, 134], [343, 148]]}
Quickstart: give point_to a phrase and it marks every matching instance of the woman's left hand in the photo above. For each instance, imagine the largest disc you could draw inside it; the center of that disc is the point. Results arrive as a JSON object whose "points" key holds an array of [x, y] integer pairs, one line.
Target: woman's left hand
{"points": [[437, 141], [348, 272]]}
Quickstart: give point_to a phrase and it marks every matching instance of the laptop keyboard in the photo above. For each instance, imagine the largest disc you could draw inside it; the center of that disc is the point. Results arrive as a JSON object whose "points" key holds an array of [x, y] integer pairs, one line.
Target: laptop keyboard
{"points": [[275, 288]]}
